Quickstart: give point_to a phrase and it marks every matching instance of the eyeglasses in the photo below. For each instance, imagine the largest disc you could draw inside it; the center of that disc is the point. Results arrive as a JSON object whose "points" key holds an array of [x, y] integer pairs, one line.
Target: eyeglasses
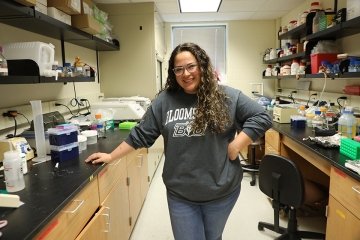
{"points": [[180, 70]]}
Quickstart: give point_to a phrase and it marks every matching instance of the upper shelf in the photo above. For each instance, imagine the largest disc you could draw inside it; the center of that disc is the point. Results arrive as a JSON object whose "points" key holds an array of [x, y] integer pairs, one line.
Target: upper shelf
{"points": [[340, 30], [16, 15]]}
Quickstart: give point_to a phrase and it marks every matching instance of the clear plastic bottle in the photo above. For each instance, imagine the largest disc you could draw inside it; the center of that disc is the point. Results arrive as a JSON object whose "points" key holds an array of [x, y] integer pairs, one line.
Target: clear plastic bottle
{"points": [[3, 64], [301, 110], [14, 177], [347, 123], [332, 114], [317, 121], [100, 126], [294, 69]]}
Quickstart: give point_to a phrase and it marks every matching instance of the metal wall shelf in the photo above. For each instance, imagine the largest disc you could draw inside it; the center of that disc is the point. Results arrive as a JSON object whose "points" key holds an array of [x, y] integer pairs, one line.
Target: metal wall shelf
{"points": [[37, 79], [27, 18]]}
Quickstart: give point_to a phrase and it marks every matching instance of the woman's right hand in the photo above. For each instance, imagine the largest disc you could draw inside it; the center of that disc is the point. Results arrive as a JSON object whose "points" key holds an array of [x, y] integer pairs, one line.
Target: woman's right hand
{"points": [[99, 158]]}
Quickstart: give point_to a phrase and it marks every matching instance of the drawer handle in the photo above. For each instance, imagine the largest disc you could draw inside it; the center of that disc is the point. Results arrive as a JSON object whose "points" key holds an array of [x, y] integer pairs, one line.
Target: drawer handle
{"points": [[356, 189], [81, 202], [116, 163], [141, 158], [107, 217]]}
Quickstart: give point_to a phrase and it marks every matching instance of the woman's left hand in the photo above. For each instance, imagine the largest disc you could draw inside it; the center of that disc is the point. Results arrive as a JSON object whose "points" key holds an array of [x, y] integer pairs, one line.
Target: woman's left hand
{"points": [[233, 152]]}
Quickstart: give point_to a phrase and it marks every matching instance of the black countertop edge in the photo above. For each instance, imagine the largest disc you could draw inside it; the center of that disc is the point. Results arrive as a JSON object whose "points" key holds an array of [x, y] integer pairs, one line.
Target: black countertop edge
{"points": [[47, 192], [332, 155]]}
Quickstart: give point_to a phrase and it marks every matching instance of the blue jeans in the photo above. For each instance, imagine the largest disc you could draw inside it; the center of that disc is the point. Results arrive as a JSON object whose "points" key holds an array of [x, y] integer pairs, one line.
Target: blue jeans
{"points": [[205, 221]]}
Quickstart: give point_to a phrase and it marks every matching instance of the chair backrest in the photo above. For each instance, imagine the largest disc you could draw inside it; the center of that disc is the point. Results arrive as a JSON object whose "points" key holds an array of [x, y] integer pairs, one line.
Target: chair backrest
{"points": [[277, 170]]}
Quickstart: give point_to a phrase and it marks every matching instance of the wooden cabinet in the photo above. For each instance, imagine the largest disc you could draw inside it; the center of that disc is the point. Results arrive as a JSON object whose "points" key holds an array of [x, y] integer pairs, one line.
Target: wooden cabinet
{"points": [[344, 210], [72, 219], [341, 224], [272, 142], [117, 193], [112, 219], [137, 182], [155, 153]]}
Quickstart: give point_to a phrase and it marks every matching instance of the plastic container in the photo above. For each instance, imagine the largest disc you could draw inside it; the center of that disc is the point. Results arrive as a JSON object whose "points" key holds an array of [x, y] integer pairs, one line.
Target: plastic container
{"points": [[294, 67], [39, 131], [3, 64], [91, 136], [317, 58], [14, 177], [301, 110], [64, 153], [350, 148], [60, 137], [347, 124], [332, 114], [40, 52], [100, 126], [82, 140], [317, 121]]}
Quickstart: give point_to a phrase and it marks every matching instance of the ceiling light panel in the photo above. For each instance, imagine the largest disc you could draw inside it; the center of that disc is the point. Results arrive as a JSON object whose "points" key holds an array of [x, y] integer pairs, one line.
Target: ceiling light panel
{"points": [[199, 5]]}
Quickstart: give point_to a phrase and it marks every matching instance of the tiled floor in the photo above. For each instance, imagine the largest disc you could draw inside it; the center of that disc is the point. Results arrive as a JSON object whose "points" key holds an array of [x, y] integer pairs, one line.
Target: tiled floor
{"points": [[251, 207]]}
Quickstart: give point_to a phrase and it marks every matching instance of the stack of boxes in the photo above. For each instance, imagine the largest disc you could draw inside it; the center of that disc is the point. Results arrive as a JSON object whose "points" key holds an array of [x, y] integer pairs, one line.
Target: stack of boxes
{"points": [[64, 143], [77, 13]]}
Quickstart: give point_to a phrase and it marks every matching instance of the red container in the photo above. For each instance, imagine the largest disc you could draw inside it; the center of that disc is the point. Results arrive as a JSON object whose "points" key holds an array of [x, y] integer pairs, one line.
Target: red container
{"points": [[352, 90], [317, 58]]}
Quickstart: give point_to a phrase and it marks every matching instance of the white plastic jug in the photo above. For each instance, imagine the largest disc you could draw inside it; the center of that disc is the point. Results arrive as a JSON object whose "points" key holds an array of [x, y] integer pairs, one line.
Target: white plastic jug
{"points": [[42, 53]]}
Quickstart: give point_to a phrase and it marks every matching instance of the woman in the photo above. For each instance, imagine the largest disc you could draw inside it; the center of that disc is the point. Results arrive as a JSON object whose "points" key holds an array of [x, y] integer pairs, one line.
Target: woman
{"points": [[198, 119]]}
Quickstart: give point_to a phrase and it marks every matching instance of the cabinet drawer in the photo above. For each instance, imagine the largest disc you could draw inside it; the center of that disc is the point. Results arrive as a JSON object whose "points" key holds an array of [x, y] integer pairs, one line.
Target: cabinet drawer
{"points": [[109, 175], [341, 224], [272, 138], [72, 219], [346, 190]]}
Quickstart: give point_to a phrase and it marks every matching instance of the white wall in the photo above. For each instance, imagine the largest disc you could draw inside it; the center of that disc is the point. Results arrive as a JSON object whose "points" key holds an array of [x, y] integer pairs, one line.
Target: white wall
{"points": [[130, 71], [246, 43]]}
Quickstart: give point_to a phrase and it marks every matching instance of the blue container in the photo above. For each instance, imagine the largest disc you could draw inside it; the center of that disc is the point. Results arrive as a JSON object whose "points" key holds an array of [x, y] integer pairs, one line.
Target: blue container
{"points": [[59, 137], [63, 153]]}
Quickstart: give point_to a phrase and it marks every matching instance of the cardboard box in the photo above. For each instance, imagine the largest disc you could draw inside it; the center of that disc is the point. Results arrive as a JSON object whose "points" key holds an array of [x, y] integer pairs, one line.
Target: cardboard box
{"points": [[87, 7], [71, 7], [59, 15], [29, 3], [86, 23]]}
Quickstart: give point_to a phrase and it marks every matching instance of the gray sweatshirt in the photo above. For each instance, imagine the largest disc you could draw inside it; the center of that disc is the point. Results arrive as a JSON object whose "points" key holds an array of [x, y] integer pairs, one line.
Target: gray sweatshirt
{"points": [[197, 167]]}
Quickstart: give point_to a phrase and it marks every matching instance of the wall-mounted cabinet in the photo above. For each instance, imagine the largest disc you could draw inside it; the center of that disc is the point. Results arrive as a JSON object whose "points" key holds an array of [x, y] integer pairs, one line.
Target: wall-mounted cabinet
{"points": [[343, 29], [27, 18]]}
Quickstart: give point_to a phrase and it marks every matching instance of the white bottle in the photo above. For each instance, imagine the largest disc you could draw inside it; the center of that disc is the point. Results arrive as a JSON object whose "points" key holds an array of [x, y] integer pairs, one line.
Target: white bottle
{"points": [[347, 123], [14, 177], [24, 167], [100, 126], [294, 67]]}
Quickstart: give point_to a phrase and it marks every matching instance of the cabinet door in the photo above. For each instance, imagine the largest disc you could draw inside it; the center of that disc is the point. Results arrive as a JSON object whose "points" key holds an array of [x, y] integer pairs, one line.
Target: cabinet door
{"points": [[109, 175], [69, 223], [144, 176], [341, 224], [111, 222], [134, 180]]}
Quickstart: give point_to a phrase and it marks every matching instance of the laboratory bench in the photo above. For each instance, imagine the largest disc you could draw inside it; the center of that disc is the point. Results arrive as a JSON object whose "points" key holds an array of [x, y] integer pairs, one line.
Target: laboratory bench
{"points": [[48, 192], [325, 166]]}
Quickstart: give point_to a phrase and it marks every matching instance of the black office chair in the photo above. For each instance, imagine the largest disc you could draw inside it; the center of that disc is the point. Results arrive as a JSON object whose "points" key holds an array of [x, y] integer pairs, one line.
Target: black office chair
{"points": [[252, 167], [280, 179]]}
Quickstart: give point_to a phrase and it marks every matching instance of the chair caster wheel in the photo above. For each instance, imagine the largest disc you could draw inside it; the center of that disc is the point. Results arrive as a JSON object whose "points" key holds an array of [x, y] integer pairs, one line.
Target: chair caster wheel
{"points": [[260, 227]]}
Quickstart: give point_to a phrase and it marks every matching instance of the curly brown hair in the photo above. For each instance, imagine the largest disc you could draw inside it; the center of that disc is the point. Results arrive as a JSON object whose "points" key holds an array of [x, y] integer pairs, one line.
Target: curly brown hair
{"points": [[212, 111]]}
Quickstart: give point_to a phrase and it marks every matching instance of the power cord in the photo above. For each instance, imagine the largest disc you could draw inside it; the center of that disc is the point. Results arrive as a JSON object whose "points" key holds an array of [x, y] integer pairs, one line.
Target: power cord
{"points": [[342, 98], [307, 104], [291, 96], [13, 114]]}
